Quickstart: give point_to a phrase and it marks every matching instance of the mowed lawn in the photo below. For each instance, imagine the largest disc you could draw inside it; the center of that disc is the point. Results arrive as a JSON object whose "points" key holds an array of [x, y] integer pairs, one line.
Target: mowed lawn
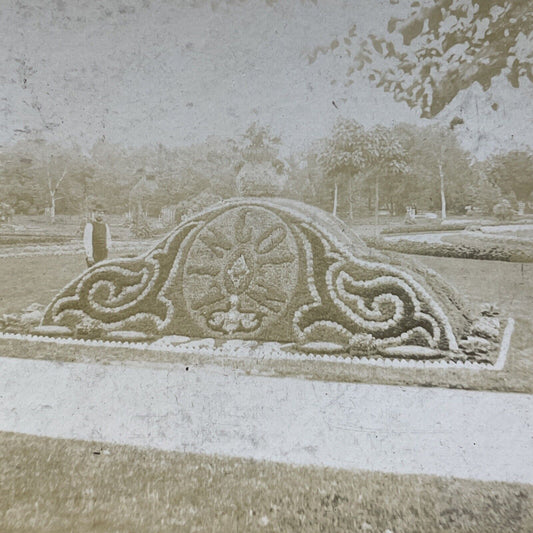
{"points": [[25, 280], [510, 286], [49, 485], [37, 278]]}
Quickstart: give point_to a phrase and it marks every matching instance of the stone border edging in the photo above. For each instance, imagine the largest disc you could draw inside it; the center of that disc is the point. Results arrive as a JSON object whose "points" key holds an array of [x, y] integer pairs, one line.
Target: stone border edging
{"points": [[505, 345], [231, 349]]}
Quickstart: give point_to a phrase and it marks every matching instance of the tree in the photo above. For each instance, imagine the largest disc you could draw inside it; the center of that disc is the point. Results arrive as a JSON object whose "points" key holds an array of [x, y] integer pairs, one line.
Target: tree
{"points": [[483, 193], [513, 173], [387, 168], [438, 50], [343, 156], [261, 172], [352, 152], [440, 167], [44, 169], [55, 174], [55, 169], [113, 176], [186, 172], [17, 186], [305, 180], [260, 145], [216, 163]]}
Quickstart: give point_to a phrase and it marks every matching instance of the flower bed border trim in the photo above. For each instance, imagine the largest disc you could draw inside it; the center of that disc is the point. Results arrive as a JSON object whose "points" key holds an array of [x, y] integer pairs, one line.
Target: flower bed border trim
{"points": [[193, 347]]}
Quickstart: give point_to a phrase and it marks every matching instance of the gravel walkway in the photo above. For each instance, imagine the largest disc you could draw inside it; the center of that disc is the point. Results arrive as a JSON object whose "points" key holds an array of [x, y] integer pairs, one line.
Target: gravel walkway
{"points": [[210, 410]]}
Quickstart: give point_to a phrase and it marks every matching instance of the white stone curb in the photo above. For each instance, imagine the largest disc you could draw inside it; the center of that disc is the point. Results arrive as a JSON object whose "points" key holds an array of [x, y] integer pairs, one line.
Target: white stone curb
{"points": [[505, 345]]}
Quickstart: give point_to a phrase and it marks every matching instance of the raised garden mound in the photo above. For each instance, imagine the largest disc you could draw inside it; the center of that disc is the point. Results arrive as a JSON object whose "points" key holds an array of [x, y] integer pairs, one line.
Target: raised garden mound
{"points": [[273, 271]]}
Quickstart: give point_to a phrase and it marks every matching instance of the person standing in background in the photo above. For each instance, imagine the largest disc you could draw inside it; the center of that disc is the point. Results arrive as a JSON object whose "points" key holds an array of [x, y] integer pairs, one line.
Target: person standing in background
{"points": [[96, 239]]}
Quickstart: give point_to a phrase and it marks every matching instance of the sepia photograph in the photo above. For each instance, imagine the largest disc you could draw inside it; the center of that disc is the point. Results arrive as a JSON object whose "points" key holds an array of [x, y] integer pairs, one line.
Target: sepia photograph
{"points": [[266, 266]]}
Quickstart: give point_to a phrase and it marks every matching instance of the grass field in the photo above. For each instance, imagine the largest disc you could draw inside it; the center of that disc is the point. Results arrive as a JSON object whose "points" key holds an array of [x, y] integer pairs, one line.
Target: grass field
{"points": [[50, 485], [67, 225], [36, 278], [510, 285]]}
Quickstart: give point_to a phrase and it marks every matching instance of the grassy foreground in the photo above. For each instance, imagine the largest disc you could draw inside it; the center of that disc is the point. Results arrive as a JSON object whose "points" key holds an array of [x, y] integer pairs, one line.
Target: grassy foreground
{"points": [[510, 285], [50, 485]]}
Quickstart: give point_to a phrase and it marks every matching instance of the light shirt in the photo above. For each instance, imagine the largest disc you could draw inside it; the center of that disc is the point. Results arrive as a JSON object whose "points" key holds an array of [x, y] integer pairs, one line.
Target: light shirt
{"points": [[88, 238]]}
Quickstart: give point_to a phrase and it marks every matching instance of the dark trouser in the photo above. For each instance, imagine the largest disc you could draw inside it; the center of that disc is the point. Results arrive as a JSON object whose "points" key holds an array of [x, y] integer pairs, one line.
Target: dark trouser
{"points": [[99, 254]]}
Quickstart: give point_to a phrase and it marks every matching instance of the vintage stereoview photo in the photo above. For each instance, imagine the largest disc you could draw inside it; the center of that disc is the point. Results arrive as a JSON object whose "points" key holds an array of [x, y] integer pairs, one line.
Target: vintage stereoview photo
{"points": [[266, 265]]}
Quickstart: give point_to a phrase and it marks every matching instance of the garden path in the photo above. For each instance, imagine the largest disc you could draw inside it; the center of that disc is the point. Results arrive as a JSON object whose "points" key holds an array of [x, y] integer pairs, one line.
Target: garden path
{"points": [[511, 232], [214, 410]]}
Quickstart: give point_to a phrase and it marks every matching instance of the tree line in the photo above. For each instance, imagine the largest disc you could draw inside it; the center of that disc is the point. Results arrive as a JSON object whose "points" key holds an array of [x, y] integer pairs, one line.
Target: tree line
{"points": [[425, 59], [353, 172]]}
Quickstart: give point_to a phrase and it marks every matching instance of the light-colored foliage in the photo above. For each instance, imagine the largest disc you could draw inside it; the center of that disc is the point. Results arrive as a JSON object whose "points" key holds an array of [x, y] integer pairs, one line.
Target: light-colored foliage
{"points": [[353, 155], [513, 173], [428, 56]]}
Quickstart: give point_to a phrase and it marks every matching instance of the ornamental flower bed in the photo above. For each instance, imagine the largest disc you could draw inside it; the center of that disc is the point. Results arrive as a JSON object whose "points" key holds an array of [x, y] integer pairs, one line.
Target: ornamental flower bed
{"points": [[448, 226], [124, 248], [424, 228], [473, 249], [270, 271]]}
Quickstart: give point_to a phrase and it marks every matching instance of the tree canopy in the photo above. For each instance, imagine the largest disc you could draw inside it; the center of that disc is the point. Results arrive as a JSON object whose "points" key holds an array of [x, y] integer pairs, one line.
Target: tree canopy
{"points": [[513, 172], [426, 58], [352, 149], [261, 172], [355, 154], [406, 163]]}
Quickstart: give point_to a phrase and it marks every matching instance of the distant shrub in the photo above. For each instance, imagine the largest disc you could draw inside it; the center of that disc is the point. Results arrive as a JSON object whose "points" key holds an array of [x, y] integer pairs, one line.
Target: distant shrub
{"points": [[141, 229], [260, 179], [6, 212], [488, 251], [423, 228], [503, 210]]}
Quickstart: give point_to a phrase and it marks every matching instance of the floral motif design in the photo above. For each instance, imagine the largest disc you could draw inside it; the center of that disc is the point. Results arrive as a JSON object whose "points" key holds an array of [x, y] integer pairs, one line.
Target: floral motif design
{"points": [[122, 293], [354, 297], [258, 269], [241, 273]]}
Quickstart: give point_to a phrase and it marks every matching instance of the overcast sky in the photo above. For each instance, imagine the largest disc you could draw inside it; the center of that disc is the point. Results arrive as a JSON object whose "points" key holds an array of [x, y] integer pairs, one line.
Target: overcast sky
{"points": [[144, 72]]}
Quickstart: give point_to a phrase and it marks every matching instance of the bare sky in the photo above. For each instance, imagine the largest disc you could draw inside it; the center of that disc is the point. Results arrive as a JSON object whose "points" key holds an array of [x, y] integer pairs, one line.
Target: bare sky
{"points": [[144, 71]]}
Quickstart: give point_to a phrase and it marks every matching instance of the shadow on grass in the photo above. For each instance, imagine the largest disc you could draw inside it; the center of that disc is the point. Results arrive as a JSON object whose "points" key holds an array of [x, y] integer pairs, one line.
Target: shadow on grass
{"points": [[51, 485]]}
